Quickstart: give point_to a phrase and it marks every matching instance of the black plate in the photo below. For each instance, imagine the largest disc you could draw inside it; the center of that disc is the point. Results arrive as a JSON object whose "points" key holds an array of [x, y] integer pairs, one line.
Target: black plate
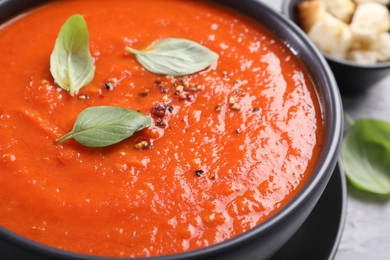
{"points": [[318, 238]]}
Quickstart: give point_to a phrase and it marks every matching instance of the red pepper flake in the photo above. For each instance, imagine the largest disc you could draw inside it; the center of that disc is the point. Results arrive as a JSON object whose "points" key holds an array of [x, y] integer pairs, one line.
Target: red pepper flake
{"points": [[236, 106], [199, 173], [157, 82], [83, 97], [165, 98], [185, 81], [237, 83], [108, 85], [179, 88], [193, 89], [144, 93], [219, 108], [141, 145], [200, 87], [170, 109], [232, 100], [236, 131], [158, 109], [256, 109], [161, 124]]}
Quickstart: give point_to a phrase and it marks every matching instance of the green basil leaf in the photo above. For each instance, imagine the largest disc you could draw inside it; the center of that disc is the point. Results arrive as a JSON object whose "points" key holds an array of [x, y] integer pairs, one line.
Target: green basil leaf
{"points": [[71, 63], [106, 125], [175, 57], [366, 155]]}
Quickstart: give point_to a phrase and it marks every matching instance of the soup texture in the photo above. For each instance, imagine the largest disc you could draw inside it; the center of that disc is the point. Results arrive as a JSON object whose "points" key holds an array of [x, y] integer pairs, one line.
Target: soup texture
{"points": [[228, 148]]}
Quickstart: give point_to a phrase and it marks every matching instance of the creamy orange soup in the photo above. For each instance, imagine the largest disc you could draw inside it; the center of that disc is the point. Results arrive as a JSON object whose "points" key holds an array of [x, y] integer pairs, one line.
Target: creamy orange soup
{"points": [[211, 170]]}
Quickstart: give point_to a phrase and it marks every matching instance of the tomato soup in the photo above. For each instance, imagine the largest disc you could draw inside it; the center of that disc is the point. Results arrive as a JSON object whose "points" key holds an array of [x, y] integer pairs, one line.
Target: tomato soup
{"points": [[228, 148]]}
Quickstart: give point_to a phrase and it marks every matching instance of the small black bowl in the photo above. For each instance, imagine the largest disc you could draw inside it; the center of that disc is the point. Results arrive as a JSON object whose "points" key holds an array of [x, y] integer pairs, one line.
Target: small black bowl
{"points": [[263, 240], [352, 78]]}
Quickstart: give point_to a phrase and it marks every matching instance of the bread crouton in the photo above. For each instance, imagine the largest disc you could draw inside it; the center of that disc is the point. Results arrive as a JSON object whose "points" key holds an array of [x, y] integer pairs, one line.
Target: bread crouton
{"points": [[383, 2], [309, 12], [362, 56], [382, 47], [341, 9], [332, 36], [371, 17]]}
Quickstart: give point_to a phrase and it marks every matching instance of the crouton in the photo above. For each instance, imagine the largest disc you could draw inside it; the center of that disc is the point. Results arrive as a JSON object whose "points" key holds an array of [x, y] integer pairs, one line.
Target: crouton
{"points": [[332, 36], [309, 12], [341, 9], [383, 2]]}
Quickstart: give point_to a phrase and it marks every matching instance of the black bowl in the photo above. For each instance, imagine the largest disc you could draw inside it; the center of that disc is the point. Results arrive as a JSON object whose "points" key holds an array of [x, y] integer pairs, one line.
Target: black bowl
{"points": [[264, 240], [352, 78]]}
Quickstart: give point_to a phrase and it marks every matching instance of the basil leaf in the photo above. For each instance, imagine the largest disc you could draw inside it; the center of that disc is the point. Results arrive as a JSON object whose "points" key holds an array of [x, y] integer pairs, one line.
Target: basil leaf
{"points": [[366, 155], [176, 57], [106, 125], [71, 63]]}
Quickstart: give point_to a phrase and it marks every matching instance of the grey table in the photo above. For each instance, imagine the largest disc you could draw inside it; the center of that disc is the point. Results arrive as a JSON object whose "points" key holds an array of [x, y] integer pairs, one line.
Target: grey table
{"points": [[367, 228]]}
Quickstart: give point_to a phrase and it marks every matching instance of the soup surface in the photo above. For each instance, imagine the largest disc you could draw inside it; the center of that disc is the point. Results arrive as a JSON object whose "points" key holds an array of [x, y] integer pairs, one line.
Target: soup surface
{"points": [[224, 158]]}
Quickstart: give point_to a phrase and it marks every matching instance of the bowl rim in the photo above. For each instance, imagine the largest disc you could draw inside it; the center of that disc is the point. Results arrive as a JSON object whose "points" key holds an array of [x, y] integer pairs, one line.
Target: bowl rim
{"points": [[326, 162], [289, 6]]}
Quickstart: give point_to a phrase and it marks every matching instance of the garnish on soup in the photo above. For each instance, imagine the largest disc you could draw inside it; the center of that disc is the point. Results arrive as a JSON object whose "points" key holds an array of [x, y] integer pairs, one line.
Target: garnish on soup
{"points": [[105, 125], [176, 57], [71, 63]]}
